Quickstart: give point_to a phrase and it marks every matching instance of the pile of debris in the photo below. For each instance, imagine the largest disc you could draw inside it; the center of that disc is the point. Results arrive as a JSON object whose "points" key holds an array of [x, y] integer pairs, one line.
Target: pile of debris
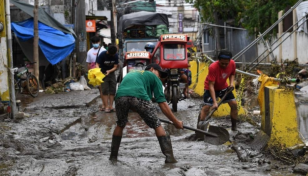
{"points": [[67, 85]]}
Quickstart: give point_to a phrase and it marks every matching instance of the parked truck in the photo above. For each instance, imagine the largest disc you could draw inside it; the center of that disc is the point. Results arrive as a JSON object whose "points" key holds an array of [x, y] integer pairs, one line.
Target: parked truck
{"points": [[137, 29]]}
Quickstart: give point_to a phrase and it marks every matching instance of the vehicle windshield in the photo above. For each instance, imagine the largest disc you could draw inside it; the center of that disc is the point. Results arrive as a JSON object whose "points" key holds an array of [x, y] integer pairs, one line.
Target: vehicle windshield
{"points": [[174, 51], [137, 46]]}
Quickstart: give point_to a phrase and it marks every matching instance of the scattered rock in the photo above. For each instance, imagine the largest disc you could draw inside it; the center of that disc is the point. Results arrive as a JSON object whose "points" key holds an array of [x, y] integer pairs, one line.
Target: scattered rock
{"points": [[301, 168], [245, 166], [19, 115], [44, 139], [241, 153]]}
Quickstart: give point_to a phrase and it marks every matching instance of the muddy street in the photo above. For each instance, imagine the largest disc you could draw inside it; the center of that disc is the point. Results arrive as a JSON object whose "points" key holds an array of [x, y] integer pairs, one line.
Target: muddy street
{"points": [[66, 134]]}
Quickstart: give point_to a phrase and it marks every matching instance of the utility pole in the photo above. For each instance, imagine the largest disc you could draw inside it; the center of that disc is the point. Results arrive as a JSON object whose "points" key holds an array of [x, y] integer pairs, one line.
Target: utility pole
{"points": [[5, 33], [35, 41], [113, 38], [80, 30]]}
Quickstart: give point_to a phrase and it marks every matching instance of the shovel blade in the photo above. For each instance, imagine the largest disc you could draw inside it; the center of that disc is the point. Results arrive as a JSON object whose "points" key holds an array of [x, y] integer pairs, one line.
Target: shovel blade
{"points": [[223, 136]]}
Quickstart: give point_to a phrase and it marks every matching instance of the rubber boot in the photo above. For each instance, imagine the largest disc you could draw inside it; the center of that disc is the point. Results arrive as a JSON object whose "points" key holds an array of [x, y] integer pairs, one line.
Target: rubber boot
{"points": [[166, 148], [115, 145], [202, 125], [233, 121]]}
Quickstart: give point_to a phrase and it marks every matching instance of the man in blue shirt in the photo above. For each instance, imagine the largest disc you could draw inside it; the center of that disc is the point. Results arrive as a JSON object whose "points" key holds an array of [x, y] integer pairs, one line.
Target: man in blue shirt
{"points": [[108, 62]]}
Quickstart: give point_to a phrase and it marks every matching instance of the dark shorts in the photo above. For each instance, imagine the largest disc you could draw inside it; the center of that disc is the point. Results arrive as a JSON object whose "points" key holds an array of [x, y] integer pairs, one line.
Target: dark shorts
{"points": [[109, 84], [145, 109], [209, 101]]}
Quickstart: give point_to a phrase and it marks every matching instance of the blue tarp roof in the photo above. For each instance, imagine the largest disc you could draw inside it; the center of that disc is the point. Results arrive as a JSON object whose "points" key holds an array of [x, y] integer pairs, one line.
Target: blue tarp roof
{"points": [[55, 44]]}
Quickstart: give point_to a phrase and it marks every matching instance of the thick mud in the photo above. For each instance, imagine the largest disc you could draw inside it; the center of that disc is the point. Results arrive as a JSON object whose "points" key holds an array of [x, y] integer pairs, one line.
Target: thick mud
{"points": [[75, 138]]}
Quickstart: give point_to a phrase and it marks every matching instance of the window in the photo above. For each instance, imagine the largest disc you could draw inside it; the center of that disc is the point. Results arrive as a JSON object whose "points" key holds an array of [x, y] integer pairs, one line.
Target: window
{"points": [[156, 56], [137, 46], [174, 52]]}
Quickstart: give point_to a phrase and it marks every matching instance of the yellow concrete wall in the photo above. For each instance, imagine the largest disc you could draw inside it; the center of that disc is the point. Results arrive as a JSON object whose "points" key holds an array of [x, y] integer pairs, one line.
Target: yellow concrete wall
{"points": [[283, 118], [4, 85], [198, 86], [265, 82]]}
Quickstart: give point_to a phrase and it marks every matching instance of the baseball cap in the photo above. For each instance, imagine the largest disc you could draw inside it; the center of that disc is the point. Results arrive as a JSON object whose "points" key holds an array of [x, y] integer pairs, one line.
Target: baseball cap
{"points": [[163, 74]]}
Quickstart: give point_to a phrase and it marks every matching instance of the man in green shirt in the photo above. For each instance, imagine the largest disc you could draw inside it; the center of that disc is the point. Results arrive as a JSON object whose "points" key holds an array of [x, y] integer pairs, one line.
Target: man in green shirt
{"points": [[135, 92]]}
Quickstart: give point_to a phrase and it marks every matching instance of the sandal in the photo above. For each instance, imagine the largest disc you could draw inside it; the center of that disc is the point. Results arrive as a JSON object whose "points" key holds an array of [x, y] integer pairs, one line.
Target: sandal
{"points": [[101, 109], [107, 110], [112, 110]]}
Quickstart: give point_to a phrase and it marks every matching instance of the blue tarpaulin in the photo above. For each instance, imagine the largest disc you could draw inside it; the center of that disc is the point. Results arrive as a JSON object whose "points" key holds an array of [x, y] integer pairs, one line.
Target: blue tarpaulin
{"points": [[55, 44]]}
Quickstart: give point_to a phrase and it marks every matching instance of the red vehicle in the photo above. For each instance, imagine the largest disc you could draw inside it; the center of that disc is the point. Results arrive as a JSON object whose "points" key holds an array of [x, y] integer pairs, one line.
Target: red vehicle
{"points": [[135, 60], [171, 54]]}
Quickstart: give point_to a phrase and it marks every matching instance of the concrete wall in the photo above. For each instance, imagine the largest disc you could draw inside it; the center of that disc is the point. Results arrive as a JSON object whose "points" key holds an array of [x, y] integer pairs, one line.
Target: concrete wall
{"points": [[238, 40], [287, 48], [233, 40], [279, 117]]}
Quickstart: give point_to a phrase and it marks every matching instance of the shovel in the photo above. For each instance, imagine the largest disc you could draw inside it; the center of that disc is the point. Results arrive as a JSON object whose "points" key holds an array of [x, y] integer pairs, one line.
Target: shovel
{"points": [[223, 134], [213, 135], [219, 103]]}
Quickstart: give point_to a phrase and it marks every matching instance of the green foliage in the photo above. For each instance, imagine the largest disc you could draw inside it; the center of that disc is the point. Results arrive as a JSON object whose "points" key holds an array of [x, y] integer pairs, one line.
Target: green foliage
{"points": [[259, 15], [224, 9], [254, 15]]}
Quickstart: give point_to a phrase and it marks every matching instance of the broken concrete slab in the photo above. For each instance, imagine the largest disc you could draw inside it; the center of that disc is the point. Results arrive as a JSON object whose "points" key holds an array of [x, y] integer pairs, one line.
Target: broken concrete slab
{"points": [[65, 100], [301, 168]]}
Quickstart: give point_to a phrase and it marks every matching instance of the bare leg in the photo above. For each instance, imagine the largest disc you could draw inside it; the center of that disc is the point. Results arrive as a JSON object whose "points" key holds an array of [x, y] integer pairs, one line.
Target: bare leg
{"points": [[204, 111], [159, 131], [101, 95], [233, 114], [184, 80], [185, 90], [105, 100], [118, 131], [111, 99]]}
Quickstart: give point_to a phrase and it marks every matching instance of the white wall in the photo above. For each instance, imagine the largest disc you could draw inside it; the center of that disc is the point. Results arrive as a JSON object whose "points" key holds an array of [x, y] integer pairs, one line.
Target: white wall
{"points": [[190, 17], [107, 33], [41, 2], [287, 48]]}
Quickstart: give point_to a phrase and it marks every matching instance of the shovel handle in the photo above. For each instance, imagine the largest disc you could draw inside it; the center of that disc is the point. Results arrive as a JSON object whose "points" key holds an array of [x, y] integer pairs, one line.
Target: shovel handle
{"points": [[219, 103], [193, 129]]}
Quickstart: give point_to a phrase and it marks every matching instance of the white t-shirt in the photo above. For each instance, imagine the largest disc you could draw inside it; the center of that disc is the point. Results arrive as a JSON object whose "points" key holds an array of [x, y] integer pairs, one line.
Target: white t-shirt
{"points": [[92, 54]]}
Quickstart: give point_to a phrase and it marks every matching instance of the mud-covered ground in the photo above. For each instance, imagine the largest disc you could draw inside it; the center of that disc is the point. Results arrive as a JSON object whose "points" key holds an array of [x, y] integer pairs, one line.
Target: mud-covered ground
{"points": [[65, 134]]}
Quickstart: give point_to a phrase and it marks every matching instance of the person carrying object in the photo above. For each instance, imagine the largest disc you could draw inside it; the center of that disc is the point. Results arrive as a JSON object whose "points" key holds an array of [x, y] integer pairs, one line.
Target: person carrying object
{"points": [[108, 62]]}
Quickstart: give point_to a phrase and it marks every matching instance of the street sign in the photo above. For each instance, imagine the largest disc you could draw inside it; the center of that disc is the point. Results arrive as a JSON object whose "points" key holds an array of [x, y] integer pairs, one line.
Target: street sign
{"points": [[90, 26], [180, 29]]}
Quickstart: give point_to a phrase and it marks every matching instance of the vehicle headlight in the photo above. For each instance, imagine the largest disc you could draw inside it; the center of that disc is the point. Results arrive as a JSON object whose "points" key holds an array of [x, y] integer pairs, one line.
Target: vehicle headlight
{"points": [[174, 71]]}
